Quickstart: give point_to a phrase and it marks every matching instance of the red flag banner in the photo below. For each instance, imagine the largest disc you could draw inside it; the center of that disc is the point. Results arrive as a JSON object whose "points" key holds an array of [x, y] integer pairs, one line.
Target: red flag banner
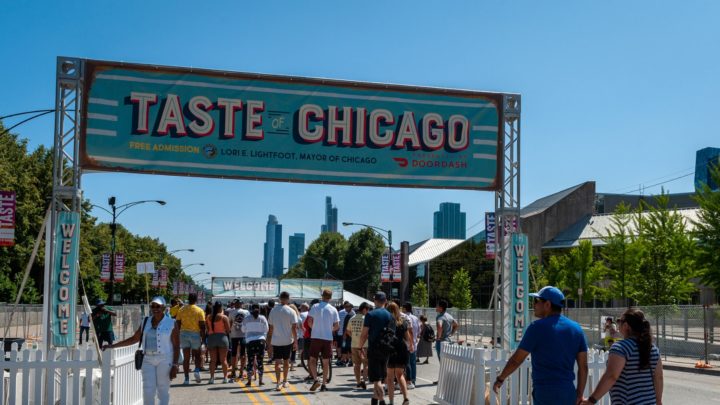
{"points": [[7, 218], [105, 269]]}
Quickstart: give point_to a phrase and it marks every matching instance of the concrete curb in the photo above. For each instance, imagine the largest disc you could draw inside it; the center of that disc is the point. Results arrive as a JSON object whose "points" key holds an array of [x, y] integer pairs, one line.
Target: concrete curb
{"points": [[706, 371]]}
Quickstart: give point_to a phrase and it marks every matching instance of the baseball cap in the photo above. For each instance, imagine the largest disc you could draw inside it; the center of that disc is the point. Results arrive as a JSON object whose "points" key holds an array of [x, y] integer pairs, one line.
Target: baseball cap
{"points": [[550, 293], [100, 302], [158, 300], [380, 296]]}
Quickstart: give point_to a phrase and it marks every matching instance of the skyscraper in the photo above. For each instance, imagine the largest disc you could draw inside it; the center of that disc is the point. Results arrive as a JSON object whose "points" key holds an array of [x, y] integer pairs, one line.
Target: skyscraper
{"points": [[449, 222], [331, 215], [705, 159], [273, 251], [296, 248]]}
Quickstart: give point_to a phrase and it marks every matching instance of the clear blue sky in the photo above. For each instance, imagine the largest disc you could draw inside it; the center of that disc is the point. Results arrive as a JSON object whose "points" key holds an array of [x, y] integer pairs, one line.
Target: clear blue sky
{"points": [[622, 93]]}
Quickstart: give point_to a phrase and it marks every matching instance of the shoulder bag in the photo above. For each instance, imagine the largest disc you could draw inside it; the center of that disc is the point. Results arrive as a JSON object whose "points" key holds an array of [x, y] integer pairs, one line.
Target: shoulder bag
{"points": [[139, 354]]}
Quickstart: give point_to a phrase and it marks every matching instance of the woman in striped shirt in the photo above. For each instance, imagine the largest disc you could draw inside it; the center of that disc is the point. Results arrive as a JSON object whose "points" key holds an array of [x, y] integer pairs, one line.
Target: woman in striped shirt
{"points": [[634, 372]]}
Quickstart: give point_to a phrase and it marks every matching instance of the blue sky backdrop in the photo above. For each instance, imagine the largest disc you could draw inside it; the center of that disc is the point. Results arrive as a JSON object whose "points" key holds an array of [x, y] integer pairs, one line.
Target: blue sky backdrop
{"points": [[622, 93]]}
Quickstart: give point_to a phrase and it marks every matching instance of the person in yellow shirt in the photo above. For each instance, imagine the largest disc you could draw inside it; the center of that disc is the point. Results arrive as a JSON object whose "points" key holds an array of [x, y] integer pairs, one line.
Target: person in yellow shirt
{"points": [[359, 353], [190, 321], [176, 305]]}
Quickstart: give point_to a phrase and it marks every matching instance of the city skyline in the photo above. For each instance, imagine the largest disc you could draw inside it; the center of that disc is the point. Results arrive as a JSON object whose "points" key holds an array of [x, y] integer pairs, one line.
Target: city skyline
{"points": [[331, 216], [296, 248]]}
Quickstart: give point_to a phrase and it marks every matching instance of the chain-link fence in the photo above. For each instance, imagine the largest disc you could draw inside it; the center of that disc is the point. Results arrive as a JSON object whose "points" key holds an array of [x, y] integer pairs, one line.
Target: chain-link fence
{"points": [[686, 330], [27, 321]]}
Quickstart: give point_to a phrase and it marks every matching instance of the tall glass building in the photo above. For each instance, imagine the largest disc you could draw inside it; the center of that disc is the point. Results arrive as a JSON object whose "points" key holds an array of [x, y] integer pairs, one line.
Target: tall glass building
{"points": [[273, 251], [704, 160], [449, 222], [331, 215], [296, 248]]}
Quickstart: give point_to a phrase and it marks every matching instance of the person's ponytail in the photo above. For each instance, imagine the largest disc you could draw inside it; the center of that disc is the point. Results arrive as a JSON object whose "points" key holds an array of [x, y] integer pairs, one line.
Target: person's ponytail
{"points": [[640, 328], [644, 340]]}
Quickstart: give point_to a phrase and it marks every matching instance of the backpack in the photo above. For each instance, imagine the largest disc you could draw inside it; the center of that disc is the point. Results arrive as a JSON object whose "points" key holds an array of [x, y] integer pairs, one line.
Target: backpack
{"points": [[388, 340], [428, 334]]}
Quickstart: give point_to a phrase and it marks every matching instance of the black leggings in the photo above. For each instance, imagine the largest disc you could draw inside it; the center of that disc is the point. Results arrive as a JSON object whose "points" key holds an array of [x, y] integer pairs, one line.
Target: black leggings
{"points": [[255, 354]]}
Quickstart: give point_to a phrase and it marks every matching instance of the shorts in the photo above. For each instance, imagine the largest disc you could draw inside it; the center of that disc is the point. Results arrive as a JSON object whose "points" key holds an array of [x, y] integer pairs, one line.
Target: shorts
{"points": [[358, 357], [338, 340], [234, 343], [377, 367], [346, 347], [306, 348], [282, 352], [217, 341], [189, 340], [320, 346]]}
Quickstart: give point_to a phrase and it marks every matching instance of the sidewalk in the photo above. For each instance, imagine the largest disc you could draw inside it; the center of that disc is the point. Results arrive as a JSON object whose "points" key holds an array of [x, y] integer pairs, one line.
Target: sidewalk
{"points": [[687, 364]]}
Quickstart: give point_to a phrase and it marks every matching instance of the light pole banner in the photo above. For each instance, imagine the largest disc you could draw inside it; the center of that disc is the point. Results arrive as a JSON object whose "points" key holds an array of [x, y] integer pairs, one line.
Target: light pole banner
{"points": [[163, 277], [119, 267], [490, 235], [390, 272], [7, 218], [244, 287], [302, 288], [105, 268], [64, 285], [519, 288], [170, 120]]}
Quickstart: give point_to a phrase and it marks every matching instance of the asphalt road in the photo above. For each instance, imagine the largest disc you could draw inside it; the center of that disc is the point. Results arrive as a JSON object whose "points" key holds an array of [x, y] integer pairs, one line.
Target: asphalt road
{"points": [[680, 388]]}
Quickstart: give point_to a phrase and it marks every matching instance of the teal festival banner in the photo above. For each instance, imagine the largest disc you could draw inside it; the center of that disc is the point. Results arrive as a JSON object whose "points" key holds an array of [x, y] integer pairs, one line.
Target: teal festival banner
{"points": [[247, 287], [167, 120], [519, 289], [64, 279]]}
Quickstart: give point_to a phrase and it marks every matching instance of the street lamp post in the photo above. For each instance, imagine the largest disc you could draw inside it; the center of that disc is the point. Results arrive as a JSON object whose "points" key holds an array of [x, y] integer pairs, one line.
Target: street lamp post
{"points": [[116, 211], [379, 232]]}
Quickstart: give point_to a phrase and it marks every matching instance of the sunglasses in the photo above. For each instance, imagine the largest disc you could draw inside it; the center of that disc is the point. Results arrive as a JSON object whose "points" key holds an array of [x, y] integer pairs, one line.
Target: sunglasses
{"points": [[155, 306]]}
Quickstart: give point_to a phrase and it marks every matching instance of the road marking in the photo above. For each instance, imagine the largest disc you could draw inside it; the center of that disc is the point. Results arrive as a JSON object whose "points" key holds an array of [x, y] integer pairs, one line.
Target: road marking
{"points": [[287, 395], [247, 391]]}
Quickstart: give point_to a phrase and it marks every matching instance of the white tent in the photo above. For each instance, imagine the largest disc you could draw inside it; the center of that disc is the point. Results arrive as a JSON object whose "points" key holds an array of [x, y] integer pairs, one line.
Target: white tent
{"points": [[354, 299]]}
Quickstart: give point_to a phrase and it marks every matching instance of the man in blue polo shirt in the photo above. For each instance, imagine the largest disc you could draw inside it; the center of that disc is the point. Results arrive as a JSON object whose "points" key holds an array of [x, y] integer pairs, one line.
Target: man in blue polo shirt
{"points": [[555, 343]]}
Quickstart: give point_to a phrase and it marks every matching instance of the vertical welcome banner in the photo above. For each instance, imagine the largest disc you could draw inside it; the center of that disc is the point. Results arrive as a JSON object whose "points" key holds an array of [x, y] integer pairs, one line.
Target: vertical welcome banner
{"points": [[64, 285], [7, 218], [519, 315]]}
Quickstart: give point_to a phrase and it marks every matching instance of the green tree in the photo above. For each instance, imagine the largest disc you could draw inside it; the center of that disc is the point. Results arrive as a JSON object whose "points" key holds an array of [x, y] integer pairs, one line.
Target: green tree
{"points": [[28, 175], [419, 296], [362, 262], [460, 295], [620, 259], [707, 231], [666, 256], [329, 249], [581, 271]]}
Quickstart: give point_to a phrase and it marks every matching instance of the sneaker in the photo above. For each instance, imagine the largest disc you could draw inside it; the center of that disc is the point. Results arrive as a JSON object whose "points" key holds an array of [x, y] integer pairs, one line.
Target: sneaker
{"points": [[278, 387], [323, 388], [286, 384], [315, 385], [362, 385], [225, 380], [339, 363], [211, 381], [406, 402], [197, 376], [187, 381], [411, 386]]}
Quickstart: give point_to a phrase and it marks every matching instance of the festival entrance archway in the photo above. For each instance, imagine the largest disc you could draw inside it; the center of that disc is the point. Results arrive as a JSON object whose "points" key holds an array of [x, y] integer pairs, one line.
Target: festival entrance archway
{"points": [[112, 116]]}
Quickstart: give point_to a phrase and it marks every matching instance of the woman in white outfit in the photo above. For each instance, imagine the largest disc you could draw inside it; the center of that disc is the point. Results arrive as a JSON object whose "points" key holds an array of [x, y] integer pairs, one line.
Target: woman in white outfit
{"points": [[161, 344]]}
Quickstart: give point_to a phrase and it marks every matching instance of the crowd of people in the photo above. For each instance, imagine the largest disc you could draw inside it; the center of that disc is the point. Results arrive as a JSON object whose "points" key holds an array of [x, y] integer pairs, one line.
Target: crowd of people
{"points": [[383, 343], [380, 342]]}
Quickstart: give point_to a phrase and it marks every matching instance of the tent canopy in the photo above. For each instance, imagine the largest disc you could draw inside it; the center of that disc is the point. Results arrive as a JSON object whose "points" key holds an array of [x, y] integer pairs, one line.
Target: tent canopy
{"points": [[354, 299]]}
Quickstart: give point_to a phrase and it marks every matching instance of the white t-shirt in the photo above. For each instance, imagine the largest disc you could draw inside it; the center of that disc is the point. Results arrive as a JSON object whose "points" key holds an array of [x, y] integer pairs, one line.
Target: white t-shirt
{"points": [[323, 315], [303, 316], [283, 320], [236, 316]]}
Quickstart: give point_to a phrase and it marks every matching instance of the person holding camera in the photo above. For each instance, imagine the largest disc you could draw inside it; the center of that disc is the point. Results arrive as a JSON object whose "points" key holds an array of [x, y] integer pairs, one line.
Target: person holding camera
{"points": [[160, 341]]}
